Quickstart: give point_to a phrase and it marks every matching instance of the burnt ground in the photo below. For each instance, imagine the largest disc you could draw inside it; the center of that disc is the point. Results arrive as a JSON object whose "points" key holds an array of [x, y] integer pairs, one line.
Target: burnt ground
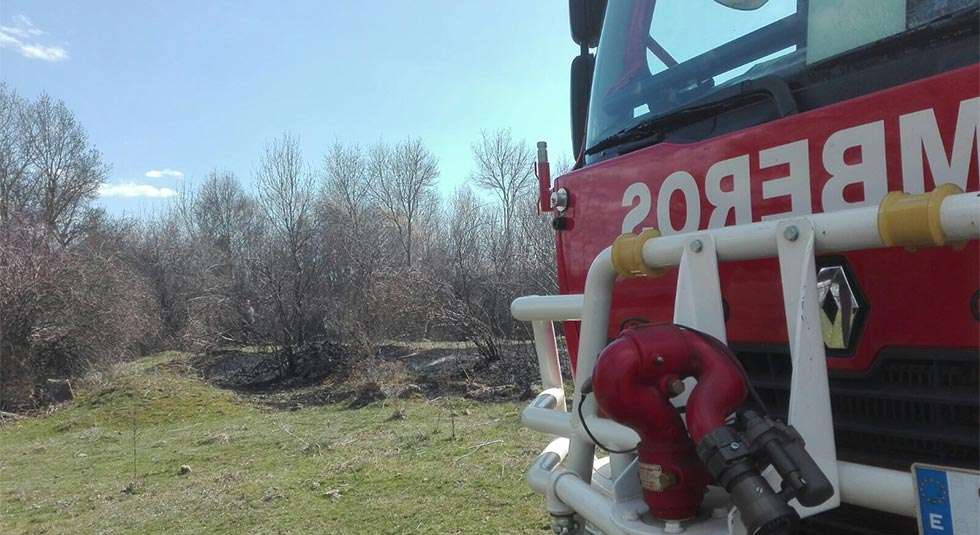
{"points": [[331, 373]]}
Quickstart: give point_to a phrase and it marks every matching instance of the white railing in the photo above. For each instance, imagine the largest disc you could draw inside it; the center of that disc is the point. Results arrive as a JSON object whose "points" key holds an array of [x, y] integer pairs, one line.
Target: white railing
{"points": [[564, 471]]}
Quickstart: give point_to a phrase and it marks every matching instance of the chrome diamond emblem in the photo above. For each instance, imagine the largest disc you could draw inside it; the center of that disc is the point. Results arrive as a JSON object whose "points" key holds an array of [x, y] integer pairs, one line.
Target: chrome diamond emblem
{"points": [[839, 307]]}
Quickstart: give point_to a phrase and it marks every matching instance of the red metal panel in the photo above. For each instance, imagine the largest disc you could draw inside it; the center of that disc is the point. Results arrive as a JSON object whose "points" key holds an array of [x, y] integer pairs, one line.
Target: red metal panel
{"points": [[916, 298]]}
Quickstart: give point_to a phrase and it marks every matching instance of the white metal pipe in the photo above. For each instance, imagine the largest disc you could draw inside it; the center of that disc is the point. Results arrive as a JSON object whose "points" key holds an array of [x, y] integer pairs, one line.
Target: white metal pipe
{"points": [[546, 349], [838, 231], [841, 231], [877, 488], [586, 501], [547, 307], [539, 473], [547, 421], [960, 216], [549, 398], [553, 422], [597, 300], [611, 434]]}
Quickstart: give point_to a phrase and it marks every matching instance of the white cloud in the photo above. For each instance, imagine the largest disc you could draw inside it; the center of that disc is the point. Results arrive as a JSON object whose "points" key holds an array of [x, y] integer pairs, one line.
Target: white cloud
{"points": [[164, 173], [22, 28], [22, 35], [46, 53], [131, 189], [8, 40]]}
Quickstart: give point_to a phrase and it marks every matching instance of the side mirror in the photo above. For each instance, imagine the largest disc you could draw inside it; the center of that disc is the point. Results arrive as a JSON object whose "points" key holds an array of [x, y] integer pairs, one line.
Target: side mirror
{"points": [[585, 17], [581, 89]]}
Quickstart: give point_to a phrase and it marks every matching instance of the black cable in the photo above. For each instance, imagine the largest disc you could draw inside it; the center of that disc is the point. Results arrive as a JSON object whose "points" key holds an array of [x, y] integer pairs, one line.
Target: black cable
{"points": [[586, 427], [752, 391]]}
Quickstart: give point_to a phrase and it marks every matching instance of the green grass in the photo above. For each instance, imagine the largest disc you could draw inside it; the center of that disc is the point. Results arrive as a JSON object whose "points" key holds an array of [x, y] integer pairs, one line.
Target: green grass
{"points": [[395, 467]]}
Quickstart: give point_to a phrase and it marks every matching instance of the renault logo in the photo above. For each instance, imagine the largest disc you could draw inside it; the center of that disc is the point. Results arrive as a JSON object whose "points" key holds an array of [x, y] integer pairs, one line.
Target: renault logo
{"points": [[840, 307]]}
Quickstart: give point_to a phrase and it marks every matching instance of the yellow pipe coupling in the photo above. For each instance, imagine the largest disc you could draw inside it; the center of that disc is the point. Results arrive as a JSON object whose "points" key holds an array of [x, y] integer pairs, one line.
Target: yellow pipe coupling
{"points": [[913, 221], [627, 254]]}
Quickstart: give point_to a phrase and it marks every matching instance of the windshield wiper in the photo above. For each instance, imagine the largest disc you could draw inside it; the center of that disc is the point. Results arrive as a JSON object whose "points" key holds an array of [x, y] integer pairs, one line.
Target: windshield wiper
{"points": [[648, 129], [654, 130]]}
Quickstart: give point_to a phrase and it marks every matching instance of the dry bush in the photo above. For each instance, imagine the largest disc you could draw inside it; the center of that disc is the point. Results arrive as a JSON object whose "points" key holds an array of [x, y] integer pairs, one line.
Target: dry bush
{"points": [[64, 311]]}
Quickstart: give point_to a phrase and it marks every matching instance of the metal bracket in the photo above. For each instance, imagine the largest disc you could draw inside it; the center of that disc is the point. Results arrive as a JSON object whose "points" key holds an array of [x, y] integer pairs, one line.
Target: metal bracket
{"points": [[809, 397], [626, 486], [697, 302]]}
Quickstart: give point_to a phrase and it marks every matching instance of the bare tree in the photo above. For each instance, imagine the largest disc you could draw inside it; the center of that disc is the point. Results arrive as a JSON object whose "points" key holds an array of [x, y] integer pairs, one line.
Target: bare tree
{"points": [[65, 170], [465, 222], [289, 263], [402, 184], [346, 184], [537, 265], [14, 160], [225, 223], [223, 212], [353, 236], [352, 231], [503, 166]]}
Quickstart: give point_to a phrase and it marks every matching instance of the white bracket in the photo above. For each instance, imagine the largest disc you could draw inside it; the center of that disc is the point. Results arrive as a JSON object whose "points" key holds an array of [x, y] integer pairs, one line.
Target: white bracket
{"points": [[697, 302], [809, 393]]}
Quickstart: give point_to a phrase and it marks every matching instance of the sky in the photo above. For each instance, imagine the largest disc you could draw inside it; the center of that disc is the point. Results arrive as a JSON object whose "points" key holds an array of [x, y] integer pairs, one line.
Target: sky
{"points": [[171, 90]]}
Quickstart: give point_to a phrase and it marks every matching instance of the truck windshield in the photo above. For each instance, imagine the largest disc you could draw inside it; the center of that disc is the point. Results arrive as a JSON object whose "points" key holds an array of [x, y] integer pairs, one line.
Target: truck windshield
{"points": [[658, 56]]}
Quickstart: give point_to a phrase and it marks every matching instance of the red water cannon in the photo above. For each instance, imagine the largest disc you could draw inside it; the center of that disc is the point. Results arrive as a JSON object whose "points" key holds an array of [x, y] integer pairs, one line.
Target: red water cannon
{"points": [[634, 379]]}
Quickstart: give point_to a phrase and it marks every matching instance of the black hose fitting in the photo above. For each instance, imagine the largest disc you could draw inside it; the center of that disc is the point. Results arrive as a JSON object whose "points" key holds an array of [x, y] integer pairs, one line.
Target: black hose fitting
{"points": [[785, 449], [735, 459], [731, 463]]}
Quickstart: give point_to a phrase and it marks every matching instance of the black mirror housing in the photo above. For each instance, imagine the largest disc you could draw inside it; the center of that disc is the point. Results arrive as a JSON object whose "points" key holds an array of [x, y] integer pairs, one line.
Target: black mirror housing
{"points": [[586, 17], [583, 66]]}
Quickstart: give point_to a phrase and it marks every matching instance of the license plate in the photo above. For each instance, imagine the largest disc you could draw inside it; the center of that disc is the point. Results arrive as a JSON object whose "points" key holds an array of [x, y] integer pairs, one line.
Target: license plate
{"points": [[949, 500]]}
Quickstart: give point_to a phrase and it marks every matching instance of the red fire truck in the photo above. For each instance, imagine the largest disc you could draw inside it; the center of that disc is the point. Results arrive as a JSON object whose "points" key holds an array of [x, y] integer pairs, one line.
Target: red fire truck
{"points": [[768, 265]]}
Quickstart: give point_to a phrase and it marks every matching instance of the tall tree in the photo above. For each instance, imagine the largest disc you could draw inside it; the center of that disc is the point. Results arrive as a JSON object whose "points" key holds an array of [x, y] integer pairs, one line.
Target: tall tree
{"points": [[14, 162], [402, 184], [65, 170], [503, 166], [289, 263]]}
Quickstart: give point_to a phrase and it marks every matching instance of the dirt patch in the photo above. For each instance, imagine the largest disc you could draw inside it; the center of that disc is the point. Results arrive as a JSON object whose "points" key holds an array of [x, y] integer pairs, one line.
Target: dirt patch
{"points": [[237, 369], [367, 394], [332, 374], [256, 370]]}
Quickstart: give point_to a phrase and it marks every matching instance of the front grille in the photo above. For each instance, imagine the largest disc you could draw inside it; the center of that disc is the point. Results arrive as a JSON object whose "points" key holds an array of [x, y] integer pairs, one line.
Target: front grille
{"points": [[912, 406]]}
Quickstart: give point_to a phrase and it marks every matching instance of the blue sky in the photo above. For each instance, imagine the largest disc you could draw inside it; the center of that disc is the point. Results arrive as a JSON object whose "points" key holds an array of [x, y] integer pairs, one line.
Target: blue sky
{"points": [[184, 87]]}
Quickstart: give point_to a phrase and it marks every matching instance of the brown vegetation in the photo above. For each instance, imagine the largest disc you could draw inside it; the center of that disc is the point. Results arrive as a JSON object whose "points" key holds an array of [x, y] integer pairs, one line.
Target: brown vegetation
{"points": [[355, 248]]}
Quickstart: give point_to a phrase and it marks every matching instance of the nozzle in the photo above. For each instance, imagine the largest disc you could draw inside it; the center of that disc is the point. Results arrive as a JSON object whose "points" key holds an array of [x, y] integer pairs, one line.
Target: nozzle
{"points": [[786, 450], [731, 464], [762, 511]]}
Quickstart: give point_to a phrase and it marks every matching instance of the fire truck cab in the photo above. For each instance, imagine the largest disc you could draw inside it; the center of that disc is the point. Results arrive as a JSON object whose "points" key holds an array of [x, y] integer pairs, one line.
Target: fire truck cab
{"points": [[768, 268]]}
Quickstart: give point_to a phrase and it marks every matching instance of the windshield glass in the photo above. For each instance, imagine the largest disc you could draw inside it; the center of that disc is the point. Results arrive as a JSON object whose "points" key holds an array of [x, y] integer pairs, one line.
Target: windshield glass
{"points": [[657, 56]]}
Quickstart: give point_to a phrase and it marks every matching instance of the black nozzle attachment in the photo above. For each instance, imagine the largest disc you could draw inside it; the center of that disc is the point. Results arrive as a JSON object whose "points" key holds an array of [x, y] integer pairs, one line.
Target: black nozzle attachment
{"points": [[731, 463], [783, 446]]}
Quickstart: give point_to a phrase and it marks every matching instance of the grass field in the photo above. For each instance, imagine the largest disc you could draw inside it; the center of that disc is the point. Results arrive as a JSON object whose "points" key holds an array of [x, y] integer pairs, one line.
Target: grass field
{"points": [[110, 462]]}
